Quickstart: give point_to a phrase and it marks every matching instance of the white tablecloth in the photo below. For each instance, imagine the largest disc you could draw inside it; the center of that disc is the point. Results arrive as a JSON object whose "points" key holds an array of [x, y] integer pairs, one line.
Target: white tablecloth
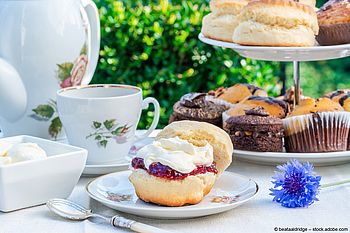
{"points": [[258, 215]]}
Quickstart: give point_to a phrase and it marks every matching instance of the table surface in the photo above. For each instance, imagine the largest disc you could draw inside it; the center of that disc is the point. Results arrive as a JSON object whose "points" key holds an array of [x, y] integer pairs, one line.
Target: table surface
{"points": [[257, 215]]}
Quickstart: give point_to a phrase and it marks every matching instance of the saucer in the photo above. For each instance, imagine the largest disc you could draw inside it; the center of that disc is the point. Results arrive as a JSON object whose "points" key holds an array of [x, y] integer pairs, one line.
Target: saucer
{"points": [[96, 170], [115, 191], [102, 169]]}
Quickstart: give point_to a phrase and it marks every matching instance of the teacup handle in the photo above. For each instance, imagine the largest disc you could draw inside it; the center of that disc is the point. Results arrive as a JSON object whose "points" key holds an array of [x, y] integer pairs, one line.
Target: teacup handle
{"points": [[145, 105]]}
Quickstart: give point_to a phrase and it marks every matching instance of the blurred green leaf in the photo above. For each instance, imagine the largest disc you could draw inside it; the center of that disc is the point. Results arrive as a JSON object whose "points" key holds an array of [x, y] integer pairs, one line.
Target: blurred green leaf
{"points": [[83, 50], [109, 123], [96, 124], [55, 127], [103, 143], [44, 110]]}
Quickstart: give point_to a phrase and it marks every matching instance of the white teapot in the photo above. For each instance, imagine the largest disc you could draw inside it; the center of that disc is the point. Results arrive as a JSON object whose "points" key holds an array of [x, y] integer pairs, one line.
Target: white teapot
{"points": [[44, 46]]}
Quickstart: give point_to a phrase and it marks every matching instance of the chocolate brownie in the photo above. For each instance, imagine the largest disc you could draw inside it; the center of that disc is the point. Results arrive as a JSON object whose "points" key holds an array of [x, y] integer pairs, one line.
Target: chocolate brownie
{"points": [[194, 106], [256, 131]]}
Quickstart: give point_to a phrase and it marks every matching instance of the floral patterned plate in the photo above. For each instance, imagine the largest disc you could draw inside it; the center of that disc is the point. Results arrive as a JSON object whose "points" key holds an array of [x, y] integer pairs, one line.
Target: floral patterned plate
{"points": [[115, 191], [274, 158]]}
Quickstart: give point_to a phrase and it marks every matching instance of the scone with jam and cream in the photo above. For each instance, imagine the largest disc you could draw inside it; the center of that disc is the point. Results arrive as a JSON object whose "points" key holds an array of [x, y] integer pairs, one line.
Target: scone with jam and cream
{"points": [[180, 167]]}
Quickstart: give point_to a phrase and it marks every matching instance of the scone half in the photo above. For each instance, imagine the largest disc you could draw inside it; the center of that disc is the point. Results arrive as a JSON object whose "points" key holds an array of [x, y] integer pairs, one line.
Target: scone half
{"points": [[221, 22], [190, 190], [276, 23]]}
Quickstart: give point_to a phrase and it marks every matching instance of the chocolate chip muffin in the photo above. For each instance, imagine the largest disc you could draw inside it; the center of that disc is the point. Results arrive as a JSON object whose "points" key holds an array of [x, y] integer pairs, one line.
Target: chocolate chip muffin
{"points": [[336, 95], [317, 125], [194, 106], [334, 21], [289, 97], [235, 94], [275, 107], [342, 97], [256, 131], [344, 101]]}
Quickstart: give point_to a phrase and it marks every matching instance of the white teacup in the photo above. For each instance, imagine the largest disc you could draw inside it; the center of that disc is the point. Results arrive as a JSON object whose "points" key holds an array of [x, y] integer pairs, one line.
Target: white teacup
{"points": [[103, 119]]}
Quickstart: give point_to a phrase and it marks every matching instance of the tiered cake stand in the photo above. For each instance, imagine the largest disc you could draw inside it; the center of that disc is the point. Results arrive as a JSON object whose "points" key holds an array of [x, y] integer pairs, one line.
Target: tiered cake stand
{"points": [[295, 55]]}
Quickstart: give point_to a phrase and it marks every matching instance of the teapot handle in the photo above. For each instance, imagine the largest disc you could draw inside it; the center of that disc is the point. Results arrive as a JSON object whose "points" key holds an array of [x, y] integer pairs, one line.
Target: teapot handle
{"points": [[93, 39], [13, 95]]}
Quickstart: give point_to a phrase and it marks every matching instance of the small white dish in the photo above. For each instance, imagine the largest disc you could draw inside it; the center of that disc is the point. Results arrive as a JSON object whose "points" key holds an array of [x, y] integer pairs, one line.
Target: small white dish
{"points": [[30, 183], [274, 158], [314, 53], [115, 191]]}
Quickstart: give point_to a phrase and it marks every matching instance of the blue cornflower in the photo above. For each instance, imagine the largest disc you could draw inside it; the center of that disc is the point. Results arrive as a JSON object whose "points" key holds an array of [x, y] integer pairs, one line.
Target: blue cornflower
{"points": [[295, 185]]}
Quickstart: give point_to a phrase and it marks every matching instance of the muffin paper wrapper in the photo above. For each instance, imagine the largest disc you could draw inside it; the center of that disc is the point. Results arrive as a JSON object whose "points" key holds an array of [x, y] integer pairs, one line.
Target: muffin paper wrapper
{"points": [[334, 34], [317, 132]]}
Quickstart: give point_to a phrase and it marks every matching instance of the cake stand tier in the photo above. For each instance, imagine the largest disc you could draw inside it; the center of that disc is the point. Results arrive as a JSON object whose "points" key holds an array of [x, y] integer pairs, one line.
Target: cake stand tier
{"points": [[315, 53]]}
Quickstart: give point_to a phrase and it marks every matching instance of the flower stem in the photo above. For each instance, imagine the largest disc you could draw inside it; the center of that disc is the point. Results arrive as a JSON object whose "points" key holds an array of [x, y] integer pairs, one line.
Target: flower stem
{"points": [[97, 133], [335, 183]]}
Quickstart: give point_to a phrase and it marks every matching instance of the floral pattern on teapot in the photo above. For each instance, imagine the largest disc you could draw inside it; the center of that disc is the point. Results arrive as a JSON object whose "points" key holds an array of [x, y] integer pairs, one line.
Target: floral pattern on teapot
{"points": [[48, 112], [71, 73], [68, 74]]}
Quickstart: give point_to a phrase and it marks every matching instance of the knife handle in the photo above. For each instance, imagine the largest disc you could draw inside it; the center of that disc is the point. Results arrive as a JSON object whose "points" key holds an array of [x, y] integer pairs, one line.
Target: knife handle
{"points": [[144, 228], [118, 221]]}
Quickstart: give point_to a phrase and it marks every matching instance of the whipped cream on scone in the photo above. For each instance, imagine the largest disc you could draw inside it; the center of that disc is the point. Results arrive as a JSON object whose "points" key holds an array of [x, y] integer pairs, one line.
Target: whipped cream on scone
{"points": [[176, 153]]}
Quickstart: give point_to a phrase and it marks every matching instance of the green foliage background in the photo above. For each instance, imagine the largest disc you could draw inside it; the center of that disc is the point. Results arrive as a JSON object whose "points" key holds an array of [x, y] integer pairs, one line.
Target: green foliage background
{"points": [[154, 45]]}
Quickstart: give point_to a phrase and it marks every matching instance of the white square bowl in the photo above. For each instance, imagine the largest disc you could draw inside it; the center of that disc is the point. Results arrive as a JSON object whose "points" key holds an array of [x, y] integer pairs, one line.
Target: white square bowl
{"points": [[31, 183]]}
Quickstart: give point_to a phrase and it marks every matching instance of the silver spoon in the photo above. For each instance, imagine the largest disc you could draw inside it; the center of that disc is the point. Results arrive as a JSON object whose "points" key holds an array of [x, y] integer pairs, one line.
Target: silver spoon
{"points": [[73, 211]]}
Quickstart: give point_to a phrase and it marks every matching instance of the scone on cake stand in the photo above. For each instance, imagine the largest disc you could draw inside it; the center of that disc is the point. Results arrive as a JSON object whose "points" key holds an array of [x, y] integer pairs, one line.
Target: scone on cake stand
{"points": [[285, 30], [279, 30]]}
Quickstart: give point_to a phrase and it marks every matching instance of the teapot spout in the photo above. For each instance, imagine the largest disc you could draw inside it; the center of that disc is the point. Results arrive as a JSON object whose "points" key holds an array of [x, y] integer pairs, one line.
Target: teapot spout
{"points": [[13, 95]]}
